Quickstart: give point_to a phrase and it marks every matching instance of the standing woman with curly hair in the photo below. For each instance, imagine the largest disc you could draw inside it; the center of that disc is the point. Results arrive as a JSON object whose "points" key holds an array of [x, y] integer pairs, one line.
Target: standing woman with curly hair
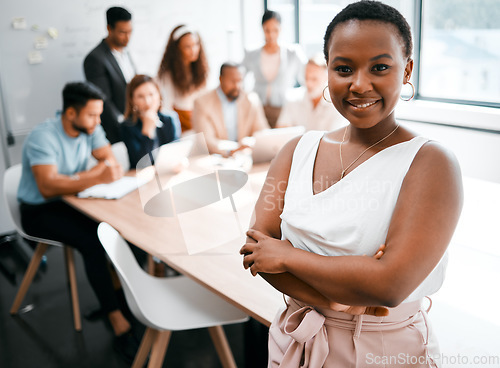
{"points": [[183, 73]]}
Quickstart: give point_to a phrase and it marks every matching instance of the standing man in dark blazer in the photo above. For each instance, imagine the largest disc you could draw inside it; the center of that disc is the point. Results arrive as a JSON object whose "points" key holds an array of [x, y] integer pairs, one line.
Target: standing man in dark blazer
{"points": [[110, 67]]}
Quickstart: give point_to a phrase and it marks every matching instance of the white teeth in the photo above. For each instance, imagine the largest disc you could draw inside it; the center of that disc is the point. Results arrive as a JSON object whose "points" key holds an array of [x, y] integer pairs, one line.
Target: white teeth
{"points": [[365, 105]]}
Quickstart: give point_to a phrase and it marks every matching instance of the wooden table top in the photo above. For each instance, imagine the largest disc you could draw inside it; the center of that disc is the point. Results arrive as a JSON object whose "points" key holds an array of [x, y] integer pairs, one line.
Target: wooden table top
{"points": [[219, 269]]}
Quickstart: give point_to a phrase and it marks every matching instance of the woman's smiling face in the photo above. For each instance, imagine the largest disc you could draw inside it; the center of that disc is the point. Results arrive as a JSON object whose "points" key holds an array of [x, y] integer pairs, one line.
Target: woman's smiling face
{"points": [[366, 70]]}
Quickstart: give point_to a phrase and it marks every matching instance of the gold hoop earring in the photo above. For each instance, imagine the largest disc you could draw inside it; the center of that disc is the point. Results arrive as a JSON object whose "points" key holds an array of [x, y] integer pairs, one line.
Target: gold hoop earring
{"points": [[324, 98], [412, 94]]}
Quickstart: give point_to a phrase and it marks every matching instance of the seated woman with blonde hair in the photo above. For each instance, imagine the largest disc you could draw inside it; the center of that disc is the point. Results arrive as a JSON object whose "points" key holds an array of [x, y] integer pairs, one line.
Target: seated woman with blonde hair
{"points": [[145, 127]]}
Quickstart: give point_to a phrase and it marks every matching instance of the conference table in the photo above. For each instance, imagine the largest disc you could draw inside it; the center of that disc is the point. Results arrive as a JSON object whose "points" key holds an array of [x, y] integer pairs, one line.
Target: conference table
{"points": [[219, 268]]}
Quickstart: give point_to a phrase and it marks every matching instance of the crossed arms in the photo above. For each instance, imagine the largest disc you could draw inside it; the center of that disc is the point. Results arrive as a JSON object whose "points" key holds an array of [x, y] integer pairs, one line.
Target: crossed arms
{"points": [[422, 225]]}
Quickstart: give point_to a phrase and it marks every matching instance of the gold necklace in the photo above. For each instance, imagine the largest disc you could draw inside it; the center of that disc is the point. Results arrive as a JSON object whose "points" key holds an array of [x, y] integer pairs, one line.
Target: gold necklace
{"points": [[361, 154]]}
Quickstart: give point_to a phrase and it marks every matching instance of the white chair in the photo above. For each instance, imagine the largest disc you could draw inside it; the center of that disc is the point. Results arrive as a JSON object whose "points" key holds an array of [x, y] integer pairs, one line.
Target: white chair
{"points": [[167, 304], [121, 154], [11, 180], [120, 151]]}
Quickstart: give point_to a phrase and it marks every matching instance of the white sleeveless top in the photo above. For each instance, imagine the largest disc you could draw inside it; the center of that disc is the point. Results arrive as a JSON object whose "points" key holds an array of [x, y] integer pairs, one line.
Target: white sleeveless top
{"points": [[352, 216]]}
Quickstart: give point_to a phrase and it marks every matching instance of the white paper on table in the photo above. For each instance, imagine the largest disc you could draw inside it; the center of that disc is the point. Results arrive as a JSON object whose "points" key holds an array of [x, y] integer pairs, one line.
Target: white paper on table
{"points": [[114, 190]]}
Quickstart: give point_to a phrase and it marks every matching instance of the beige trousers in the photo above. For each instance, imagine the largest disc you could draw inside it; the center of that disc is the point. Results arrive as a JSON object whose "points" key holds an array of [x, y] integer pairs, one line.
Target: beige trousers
{"points": [[303, 336]]}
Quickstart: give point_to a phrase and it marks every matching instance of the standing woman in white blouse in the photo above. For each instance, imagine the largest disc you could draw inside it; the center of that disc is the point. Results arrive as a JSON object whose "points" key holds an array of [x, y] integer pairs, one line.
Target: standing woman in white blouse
{"points": [[331, 198], [183, 73], [275, 67]]}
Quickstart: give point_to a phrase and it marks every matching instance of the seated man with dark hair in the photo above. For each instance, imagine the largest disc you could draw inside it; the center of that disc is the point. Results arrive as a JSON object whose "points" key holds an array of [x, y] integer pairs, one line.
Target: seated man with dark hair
{"points": [[227, 114], [54, 161]]}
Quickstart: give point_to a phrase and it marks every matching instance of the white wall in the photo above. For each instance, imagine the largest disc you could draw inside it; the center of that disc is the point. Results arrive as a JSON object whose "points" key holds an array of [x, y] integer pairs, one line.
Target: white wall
{"points": [[251, 18], [478, 152]]}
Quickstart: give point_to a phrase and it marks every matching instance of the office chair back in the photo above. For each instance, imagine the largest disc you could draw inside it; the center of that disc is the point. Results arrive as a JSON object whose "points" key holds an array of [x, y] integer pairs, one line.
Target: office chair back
{"points": [[11, 180], [129, 271]]}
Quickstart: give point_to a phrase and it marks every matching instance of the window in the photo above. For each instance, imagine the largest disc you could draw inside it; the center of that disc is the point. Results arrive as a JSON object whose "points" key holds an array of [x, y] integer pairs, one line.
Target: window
{"points": [[314, 16], [456, 53], [460, 53]]}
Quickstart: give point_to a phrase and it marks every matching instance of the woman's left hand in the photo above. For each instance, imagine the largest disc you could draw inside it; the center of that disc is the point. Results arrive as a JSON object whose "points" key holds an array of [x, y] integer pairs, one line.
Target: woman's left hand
{"points": [[149, 118], [266, 255]]}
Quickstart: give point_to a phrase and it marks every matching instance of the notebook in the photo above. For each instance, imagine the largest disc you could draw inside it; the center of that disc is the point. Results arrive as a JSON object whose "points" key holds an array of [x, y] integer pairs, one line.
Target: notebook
{"points": [[114, 190]]}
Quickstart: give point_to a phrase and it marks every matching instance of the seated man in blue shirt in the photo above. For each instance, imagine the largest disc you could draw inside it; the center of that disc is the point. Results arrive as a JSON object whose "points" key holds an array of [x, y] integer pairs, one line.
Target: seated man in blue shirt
{"points": [[55, 156]]}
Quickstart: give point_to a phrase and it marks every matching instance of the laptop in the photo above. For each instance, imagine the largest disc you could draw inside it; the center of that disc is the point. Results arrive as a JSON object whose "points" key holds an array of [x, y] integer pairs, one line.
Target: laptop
{"points": [[169, 157], [268, 142]]}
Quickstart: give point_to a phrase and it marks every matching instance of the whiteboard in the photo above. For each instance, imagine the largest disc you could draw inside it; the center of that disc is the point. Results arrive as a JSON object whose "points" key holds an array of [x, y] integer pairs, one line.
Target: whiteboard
{"points": [[31, 93]]}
